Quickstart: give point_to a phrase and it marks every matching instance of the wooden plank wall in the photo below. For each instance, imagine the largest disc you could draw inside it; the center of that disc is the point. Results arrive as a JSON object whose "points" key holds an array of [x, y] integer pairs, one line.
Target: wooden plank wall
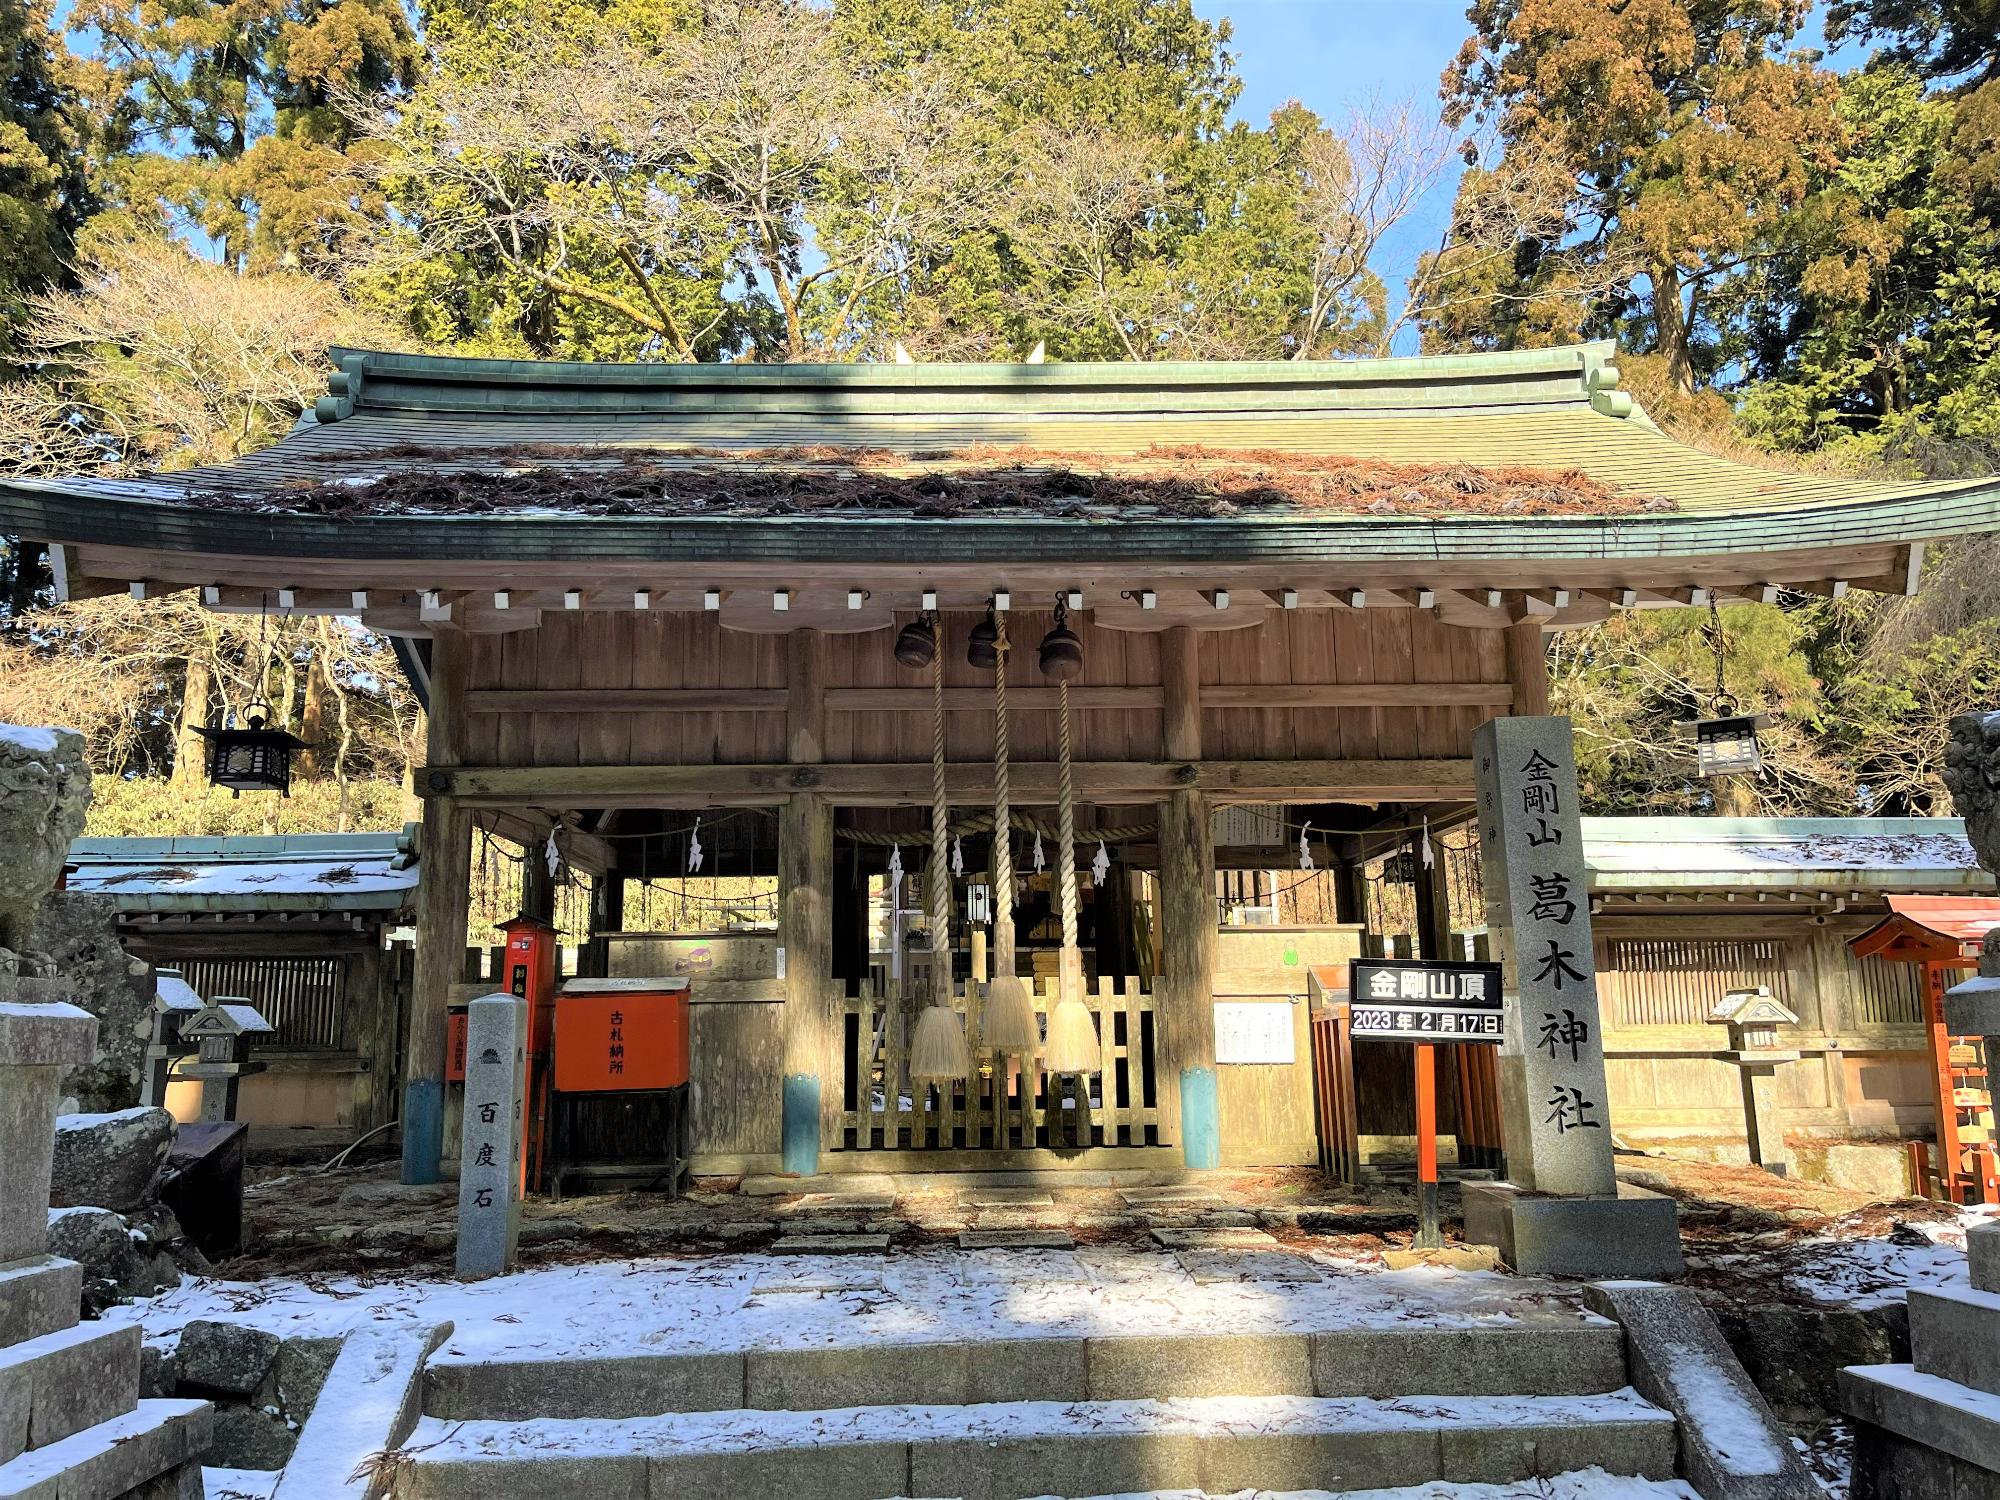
{"points": [[612, 650]]}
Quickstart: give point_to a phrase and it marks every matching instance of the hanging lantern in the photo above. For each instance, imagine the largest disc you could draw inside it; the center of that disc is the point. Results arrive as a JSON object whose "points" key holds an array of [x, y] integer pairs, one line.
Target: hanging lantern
{"points": [[1726, 744], [982, 647], [251, 758], [916, 643], [1061, 652]]}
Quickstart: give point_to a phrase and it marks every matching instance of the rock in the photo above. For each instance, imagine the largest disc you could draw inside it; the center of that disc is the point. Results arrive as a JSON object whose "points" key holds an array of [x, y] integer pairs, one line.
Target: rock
{"points": [[248, 1437], [116, 1267], [1795, 1354], [79, 933], [1881, 1171], [1363, 1221], [225, 1358], [108, 1161], [44, 793], [301, 1372], [158, 1373]]}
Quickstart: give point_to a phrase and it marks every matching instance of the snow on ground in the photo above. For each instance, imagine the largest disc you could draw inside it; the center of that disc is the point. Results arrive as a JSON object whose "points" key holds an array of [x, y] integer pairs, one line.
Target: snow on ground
{"points": [[730, 1302], [1585, 1484], [238, 1484], [1864, 1273]]}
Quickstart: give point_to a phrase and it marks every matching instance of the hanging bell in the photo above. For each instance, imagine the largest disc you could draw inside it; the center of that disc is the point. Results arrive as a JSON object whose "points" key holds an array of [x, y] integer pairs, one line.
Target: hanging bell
{"points": [[1061, 652], [982, 647], [916, 643]]}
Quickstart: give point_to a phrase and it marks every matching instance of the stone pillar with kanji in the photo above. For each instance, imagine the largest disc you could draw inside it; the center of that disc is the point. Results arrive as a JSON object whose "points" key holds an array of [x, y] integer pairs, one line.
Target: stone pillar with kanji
{"points": [[1562, 1209], [494, 1132]]}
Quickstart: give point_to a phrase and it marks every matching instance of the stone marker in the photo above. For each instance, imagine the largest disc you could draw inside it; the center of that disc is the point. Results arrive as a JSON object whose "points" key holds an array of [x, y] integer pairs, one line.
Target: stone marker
{"points": [[1555, 1110], [489, 1165], [830, 1244], [1216, 1239], [1006, 1198], [1144, 1195]]}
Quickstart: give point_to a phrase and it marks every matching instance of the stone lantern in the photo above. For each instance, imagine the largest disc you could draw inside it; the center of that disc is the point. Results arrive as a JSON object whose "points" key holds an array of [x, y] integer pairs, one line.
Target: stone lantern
{"points": [[1753, 1017], [223, 1032], [174, 1004]]}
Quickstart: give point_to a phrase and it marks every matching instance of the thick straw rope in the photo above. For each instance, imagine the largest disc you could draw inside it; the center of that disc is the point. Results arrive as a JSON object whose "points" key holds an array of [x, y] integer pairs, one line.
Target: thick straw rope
{"points": [[1065, 821], [940, 876], [1003, 853]]}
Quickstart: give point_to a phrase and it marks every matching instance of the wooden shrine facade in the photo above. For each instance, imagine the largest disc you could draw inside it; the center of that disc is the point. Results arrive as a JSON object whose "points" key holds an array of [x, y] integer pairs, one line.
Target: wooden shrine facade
{"points": [[636, 594]]}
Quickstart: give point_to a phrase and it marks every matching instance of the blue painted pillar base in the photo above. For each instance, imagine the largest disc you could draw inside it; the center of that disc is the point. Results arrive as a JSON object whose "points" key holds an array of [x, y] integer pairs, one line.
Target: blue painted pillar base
{"points": [[1201, 1121], [423, 1130], [799, 1124]]}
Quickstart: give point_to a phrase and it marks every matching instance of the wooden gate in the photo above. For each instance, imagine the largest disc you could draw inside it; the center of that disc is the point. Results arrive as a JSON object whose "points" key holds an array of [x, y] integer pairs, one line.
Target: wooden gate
{"points": [[996, 1107]]}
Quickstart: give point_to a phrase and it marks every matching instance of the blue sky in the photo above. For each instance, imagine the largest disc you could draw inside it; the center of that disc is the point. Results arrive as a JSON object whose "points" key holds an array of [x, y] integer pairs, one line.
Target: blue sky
{"points": [[1332, 55]]}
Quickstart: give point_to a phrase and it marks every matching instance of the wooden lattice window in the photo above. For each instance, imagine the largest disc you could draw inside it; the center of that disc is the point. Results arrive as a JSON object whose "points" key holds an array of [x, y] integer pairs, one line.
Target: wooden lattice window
{"points": [[1677, 981], [301, 997]]}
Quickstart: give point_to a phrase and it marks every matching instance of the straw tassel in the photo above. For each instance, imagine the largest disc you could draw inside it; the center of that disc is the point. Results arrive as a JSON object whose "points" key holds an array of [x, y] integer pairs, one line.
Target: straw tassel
{"points": [[1072, 1046], [938, 1050], [1012, 1028]]}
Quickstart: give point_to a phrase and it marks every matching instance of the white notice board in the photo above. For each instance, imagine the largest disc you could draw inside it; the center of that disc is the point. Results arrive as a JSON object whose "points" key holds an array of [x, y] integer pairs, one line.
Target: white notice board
{"points": [[1254, 1031]]}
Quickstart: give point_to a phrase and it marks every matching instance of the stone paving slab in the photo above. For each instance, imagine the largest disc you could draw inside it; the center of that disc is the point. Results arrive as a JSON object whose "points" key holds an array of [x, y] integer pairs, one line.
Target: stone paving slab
{"points": [[776, 1184], [830, 1244], [1006, 1198], [1215, 1239], [1016, 1239], [842, 1275], [841, 1203], [1139, 1195], [1209, 1266]]}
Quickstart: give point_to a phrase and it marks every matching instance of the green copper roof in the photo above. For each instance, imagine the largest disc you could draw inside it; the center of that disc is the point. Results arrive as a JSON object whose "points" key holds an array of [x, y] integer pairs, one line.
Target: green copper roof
{"points": [[1548, 410]]}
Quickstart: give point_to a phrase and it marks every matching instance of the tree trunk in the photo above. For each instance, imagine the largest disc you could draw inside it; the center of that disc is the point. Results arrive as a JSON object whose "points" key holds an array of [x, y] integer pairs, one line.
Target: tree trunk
{"points": [[188, 746], [1671, 328]]}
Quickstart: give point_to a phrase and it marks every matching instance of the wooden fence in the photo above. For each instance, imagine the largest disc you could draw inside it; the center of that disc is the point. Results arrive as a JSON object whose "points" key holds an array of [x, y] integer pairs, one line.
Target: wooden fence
{"points": [[997, 1107]]}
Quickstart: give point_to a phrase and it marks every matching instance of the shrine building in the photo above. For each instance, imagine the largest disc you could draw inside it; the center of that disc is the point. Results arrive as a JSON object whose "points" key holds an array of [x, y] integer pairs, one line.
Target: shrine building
{"points": [[740, 623]]}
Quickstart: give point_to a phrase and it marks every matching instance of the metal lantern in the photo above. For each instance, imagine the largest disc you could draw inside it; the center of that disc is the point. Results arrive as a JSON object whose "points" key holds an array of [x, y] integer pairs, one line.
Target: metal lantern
{"points": [[982, 647], [1726, 745], [251, 757], [916, 643], [1061, 652]]}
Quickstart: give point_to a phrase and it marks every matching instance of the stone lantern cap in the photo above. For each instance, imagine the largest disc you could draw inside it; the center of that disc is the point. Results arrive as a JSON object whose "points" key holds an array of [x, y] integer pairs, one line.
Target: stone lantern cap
{"points": [[228, 1018], [1972, 1008], [174, 995], [1752, 1008]]}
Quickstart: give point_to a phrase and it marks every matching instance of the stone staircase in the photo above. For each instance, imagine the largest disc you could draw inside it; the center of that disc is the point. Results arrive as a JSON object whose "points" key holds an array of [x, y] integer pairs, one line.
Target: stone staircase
{"points": [[72, 1426], [1932, 1427], [1352, 1408]]}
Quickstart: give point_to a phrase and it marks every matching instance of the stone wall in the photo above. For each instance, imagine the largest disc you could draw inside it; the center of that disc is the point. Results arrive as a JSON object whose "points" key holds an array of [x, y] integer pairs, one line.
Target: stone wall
{"points": [[80, 932]]}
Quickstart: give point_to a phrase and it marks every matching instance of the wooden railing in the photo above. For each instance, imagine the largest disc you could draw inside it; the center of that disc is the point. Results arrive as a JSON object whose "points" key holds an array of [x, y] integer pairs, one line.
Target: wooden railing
{"points": [[996, 1107]]}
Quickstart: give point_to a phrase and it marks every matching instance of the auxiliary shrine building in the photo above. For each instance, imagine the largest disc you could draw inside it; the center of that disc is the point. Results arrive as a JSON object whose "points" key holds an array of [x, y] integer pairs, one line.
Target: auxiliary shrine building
{"points": [[1031, 671]]}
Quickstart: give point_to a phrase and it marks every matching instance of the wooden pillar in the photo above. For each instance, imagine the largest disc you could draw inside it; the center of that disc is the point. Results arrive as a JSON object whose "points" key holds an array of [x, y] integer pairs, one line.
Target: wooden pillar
{"points": [[805, 697], [1186, 1009], [443, 899], [805, 945], [850, 919], [1187, 937], [1528, 668], [538, 887], [372, 1024], [1433, 895], [1180, 681]]}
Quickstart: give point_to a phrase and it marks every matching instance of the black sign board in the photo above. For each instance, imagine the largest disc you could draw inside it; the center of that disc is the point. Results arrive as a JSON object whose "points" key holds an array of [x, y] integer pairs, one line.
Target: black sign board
{"points": [[1425, 1000]]}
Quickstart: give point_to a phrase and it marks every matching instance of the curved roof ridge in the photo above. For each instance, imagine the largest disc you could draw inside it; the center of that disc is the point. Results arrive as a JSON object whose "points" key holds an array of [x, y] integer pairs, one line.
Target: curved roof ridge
{"points": [[1568, 375]]}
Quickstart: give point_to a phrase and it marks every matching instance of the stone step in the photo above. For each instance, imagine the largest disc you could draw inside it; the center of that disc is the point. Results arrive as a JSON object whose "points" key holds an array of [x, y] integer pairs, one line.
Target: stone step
{"points": [[1982, 1253], [1955, 1334], [39, 1295], [113, 1457], [1560, 1360], [56, 1385], [1932, 1412], [997, 1451]]}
